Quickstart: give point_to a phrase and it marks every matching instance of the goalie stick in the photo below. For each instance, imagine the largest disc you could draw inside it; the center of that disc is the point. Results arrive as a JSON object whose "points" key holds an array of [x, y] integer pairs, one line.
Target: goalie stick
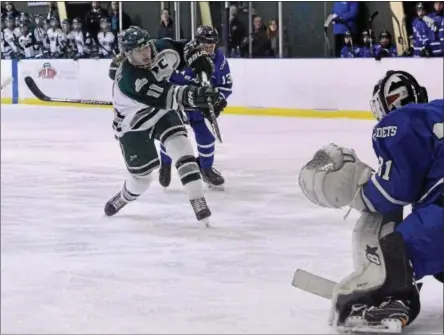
{"points": [[41, 96], [313, 284], [6, 82], [213, 119]]}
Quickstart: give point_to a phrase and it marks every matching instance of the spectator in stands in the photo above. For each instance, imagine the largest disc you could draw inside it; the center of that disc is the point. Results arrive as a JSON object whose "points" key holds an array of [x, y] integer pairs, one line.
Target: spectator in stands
{"points": [[52, 11], [10, 10], [260, 42], [420, 33], [236, 33], [345, 16], [273, 36], [167, 26], [114, 17], [385, 47], [92, 22]]}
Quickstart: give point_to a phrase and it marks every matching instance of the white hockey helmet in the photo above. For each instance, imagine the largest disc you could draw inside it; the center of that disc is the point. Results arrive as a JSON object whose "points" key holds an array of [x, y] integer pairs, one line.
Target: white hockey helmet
{"points": [[394, 90]]}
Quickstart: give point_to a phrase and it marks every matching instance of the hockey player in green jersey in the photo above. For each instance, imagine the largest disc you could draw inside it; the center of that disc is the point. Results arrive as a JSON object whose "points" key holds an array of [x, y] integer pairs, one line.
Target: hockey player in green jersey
{"points": [[147, 107]]}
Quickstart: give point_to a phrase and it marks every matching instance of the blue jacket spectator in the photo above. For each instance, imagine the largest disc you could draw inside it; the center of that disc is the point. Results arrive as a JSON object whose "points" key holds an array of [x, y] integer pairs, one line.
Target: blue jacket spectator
{"points": [[345, 14], [346, 11]]}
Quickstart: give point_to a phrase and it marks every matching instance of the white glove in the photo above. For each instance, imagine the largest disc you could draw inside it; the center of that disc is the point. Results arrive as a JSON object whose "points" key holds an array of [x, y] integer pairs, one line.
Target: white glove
{"points": [[333, 177]]}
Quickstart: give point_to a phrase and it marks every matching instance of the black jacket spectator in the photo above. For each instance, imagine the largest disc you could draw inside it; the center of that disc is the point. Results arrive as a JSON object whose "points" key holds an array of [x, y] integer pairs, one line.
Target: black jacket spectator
{"points": [[114, 18], [273, 36], [10, 10], [52, 11], [236, 32], [260, 42], [92, 22], [167, 27]]}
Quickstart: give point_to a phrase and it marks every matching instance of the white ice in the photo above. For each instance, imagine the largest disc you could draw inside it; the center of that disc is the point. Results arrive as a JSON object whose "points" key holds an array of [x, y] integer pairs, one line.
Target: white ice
{"points": [[65, 268]]}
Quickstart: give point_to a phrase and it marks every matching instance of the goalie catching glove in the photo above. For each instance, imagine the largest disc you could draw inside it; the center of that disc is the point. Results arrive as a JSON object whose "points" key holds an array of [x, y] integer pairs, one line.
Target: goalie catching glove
{"points": [[334, 178]]}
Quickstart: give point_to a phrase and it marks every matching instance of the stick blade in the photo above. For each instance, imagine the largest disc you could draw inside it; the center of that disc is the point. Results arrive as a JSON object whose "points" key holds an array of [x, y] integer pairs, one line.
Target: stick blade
{"points": [[313, 284], [35, 90]]}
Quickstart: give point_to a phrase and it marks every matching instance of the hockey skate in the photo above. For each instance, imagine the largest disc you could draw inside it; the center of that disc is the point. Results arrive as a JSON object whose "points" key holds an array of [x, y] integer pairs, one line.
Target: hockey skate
{"points": [[115, 204], [213, 178], [201, 210], [165, 175], [391, 316]]}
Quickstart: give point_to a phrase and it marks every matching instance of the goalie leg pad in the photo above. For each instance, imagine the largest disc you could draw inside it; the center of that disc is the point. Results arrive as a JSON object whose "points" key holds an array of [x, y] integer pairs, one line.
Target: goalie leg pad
{"points": [[370, 271], [382, 268]]}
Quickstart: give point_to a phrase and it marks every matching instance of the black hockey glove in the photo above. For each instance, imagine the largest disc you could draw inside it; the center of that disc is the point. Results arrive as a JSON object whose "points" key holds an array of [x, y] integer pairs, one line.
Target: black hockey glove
{"points": [[425, 52], [218, 107], [200, 97], [198, 59]]}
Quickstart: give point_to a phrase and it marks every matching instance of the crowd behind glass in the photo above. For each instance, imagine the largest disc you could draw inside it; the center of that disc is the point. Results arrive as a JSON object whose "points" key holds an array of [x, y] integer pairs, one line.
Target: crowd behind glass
{"points": [[95, 34]]}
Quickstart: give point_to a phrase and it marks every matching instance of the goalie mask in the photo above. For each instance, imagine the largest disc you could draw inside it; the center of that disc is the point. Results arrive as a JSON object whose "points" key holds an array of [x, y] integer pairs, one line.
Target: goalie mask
{"points": [[396, 89]]}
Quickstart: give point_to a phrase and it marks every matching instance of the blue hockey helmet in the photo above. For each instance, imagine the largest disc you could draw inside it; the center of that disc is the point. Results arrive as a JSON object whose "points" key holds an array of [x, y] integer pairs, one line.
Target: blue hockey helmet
{"points": [[394, 90], [207, 34], [208, 37]]}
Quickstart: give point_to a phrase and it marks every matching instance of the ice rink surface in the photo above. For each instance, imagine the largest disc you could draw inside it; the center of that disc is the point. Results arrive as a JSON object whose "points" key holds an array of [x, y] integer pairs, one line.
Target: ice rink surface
{"points": [[65, 268]]}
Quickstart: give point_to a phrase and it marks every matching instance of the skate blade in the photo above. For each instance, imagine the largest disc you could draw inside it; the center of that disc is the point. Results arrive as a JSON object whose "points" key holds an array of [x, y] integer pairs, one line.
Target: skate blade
{"points": [[387, 326], [215, 188], [206, 222]]}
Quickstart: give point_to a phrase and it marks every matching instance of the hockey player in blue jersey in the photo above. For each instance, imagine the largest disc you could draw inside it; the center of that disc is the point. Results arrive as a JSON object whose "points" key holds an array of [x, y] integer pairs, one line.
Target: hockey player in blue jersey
{"points": [[366, 49], [385, 47], [421, 47], [208, 38], [349, 50], [390, 252], [436, 30]]}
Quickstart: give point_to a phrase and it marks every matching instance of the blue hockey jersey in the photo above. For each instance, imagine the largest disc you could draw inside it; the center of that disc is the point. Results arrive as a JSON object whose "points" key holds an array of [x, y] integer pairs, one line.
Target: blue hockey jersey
{"points": [[409, 144], [350, 52], [420, 36], [379, 51], [436, 35], [221, 77]]}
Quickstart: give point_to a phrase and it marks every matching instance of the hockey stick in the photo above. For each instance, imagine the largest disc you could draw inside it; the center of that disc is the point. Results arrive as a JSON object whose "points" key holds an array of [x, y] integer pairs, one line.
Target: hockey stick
{"points": [[41, 96], [313, 284], [327, 40], [213, 119], [370, 30], [400, 37], [6, 83]]}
